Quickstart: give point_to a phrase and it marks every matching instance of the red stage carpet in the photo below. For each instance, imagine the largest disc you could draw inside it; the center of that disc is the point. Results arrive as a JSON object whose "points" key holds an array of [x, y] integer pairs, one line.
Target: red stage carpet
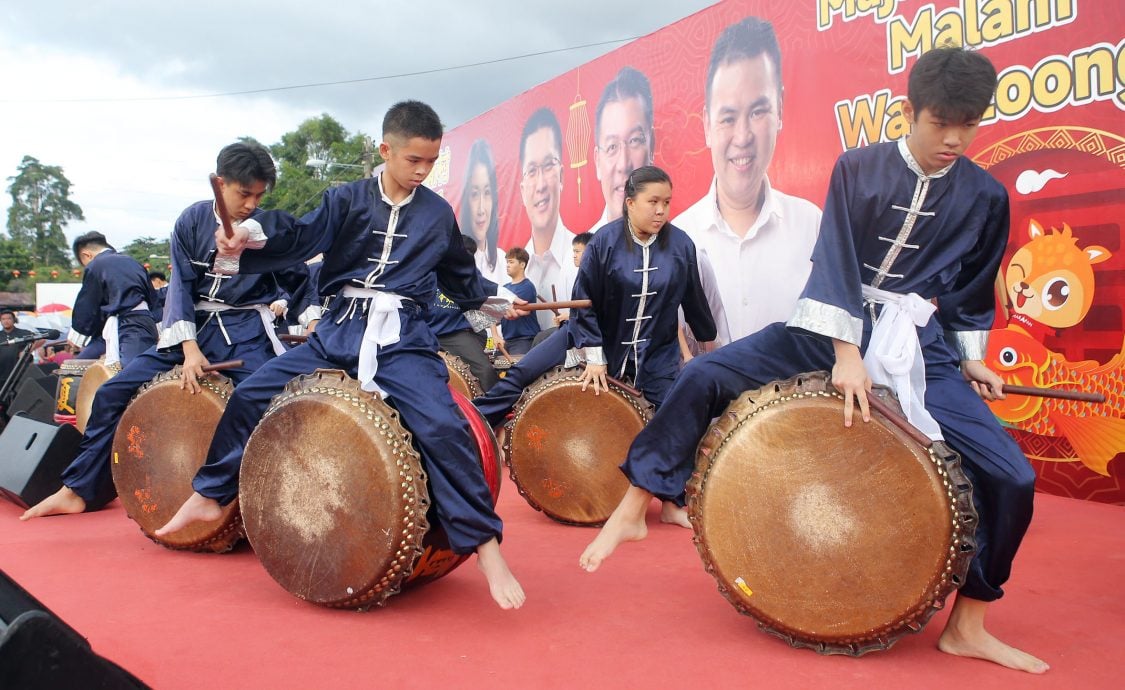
{"points": [[650, 618]]}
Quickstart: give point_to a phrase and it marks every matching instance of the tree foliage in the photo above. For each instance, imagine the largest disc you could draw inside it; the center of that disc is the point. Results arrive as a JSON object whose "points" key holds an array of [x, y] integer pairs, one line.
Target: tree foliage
{"points": [[41, 208], [149, 250], [300, 186]]}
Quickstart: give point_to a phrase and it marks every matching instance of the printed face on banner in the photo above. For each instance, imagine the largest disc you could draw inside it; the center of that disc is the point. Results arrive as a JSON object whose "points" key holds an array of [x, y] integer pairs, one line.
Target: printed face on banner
{"points": [[624, 144], [740, 125], [481, 203], [541, 183]]}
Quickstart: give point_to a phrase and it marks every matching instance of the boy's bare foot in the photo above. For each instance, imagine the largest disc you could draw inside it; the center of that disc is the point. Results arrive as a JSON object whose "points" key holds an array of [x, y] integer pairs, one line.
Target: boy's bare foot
{"points": [[627, 523], [505, 588], [673, 514], [964, 635], [62, 502], [196, 509]]}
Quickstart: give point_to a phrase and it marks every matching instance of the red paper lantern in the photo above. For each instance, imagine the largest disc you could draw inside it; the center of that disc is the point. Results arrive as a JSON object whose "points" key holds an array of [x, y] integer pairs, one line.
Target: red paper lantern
{"points": [[16, 273], [77, 272], [147, 265], [169, 267], [31, 273], [54, 273]]}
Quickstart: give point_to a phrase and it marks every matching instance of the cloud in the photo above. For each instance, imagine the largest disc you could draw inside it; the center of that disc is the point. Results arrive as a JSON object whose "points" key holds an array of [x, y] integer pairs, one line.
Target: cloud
{"points": [[1031, 181]]}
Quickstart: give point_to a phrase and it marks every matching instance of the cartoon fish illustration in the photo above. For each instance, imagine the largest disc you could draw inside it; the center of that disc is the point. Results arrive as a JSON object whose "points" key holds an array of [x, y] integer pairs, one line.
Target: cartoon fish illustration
{"points": [[1093, 430]]}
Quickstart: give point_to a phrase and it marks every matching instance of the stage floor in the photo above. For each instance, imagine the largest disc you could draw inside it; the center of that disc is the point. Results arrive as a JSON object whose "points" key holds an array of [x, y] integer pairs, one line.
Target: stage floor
{"points": [[651, 617]]}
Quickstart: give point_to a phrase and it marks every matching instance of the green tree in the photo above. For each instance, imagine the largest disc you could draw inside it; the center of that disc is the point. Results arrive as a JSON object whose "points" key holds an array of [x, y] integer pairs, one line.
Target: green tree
{"points": [[14, 256], [149, 250], [41, 208], [299, 185]]}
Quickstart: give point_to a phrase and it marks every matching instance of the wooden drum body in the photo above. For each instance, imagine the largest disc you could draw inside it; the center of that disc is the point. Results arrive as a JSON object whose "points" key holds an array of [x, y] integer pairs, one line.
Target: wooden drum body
{"points": [[461, 378], [334, 495], [837, 539], [563, 446], [162, 440], [96, 374]]}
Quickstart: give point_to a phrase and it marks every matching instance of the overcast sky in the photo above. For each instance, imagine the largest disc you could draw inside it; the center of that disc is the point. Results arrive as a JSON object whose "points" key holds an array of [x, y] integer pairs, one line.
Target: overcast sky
{"points": [[119, 93]]}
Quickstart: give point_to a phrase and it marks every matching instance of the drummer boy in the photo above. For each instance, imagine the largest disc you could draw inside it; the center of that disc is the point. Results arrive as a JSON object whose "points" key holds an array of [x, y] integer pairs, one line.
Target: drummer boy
{"points": [[911, 238], [384, 241]]}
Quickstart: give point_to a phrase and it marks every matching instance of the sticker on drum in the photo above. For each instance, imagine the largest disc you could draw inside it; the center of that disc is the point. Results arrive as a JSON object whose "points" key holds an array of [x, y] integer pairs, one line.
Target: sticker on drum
{"points": [[461, 377], [69, 379], [334, 495], [839, 539], [563, 446], [161, 440]]}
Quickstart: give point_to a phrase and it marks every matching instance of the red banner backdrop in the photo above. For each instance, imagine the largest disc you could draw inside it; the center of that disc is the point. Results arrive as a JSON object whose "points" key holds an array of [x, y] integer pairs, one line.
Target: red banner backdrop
{"points": [[1055, 137]]}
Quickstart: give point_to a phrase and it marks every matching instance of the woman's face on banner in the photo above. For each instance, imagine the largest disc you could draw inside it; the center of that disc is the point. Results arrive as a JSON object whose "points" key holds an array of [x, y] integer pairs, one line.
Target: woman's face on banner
{"points": [[623, 146], [480, 202], [741, 126]]}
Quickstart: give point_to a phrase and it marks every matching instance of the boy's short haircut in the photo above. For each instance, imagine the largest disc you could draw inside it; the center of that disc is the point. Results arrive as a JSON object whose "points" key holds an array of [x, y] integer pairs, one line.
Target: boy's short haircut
{"points": [[582, 239], [544, 118], [743, 40], [519, 254], [92, 239], [152, 275], [952, 83], [409, 119], [246, 162], [469, 243]]}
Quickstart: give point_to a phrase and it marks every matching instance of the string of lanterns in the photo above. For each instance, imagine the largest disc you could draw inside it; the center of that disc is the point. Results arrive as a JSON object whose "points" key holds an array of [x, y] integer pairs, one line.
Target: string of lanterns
{"points": [[77, 272]]}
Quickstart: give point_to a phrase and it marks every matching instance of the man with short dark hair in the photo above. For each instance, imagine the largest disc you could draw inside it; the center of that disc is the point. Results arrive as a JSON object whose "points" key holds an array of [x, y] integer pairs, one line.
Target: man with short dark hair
{"points": [[115, 302]]}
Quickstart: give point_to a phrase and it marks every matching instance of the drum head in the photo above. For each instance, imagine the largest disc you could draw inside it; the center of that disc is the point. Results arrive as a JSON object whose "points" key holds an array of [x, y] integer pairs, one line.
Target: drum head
{"points": [[96, 374], [333, 492], [564, 446], [161, 441], [461, 378], [840, 539]]}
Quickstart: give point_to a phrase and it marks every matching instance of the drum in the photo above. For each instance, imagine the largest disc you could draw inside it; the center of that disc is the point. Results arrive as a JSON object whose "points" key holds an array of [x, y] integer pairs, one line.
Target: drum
{"points": [[161, 440], [335, 498], [836, 539], [96, 374], [563, 446], [461, 378], [69, 375]]}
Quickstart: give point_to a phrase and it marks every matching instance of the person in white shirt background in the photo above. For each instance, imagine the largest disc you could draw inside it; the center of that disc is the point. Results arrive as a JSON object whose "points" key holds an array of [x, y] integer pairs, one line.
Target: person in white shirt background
{"points": [[541, 182], [757, 239]]}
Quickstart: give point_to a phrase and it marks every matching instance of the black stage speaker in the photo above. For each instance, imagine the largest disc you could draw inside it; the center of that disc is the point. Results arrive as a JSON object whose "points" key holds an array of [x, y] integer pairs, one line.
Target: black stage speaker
{"points": [[34, 399], [32, 456], [38, 651]]}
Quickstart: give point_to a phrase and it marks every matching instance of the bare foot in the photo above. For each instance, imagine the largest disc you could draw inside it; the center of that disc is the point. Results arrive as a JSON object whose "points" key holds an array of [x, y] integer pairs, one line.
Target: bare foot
{"points": [[62, 502], [964, 635], [505, 588], [196, 509], [673, 514], [627, 523]]}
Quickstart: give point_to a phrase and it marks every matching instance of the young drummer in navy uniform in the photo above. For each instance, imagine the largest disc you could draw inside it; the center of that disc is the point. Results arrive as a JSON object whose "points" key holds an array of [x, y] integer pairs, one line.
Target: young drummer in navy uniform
{"points": [[115, 302], [208, 317], [908, 227], [383, 239]]}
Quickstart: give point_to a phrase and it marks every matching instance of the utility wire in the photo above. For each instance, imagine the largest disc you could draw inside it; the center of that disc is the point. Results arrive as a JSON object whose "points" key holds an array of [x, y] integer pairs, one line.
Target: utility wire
{"points": [[317, 84]]}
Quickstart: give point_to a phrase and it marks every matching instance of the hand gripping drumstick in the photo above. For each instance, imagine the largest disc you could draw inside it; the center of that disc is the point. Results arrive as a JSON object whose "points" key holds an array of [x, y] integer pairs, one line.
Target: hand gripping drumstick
{"points": [[223, 263]]}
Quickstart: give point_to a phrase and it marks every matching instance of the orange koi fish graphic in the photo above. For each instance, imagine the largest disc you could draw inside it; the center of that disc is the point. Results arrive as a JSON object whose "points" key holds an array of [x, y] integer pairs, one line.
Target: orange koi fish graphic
{"points": [[1092, 429]]}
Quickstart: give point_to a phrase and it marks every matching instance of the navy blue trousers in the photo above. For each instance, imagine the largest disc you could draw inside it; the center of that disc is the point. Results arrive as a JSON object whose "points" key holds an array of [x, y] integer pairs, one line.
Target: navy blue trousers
{"points": [[136, 333], [89, 475], [662, 457], [548, 354], [416, 381]]}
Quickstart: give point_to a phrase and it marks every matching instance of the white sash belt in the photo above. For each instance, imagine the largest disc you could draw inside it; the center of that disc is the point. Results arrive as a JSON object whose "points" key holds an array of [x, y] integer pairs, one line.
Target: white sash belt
{"points": [[894, 355], [217, 308], [111, 338], [383, 328]]}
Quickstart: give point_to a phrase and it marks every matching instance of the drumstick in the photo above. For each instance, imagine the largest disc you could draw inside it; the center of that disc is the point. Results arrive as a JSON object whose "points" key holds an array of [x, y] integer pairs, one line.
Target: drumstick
{"points": [[542, 304], [625, 387], [554, 294], [230, 364], [221, 206], [555, 306], [286, 338], [1060, 394], [898, 420]]}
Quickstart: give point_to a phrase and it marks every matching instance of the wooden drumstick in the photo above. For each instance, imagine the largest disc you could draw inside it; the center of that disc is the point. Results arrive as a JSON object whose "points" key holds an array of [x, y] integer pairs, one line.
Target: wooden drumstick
{"points": [[287, 338], [505, 353], [555, 306], [898, 420], [221, 206], [1060, 394], [219, 366], [625, 387], [543, 304]]}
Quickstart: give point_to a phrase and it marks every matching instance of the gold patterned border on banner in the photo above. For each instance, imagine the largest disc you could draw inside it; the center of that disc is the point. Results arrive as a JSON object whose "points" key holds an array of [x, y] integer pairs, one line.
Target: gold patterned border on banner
{"points": [[1095, 142]]}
